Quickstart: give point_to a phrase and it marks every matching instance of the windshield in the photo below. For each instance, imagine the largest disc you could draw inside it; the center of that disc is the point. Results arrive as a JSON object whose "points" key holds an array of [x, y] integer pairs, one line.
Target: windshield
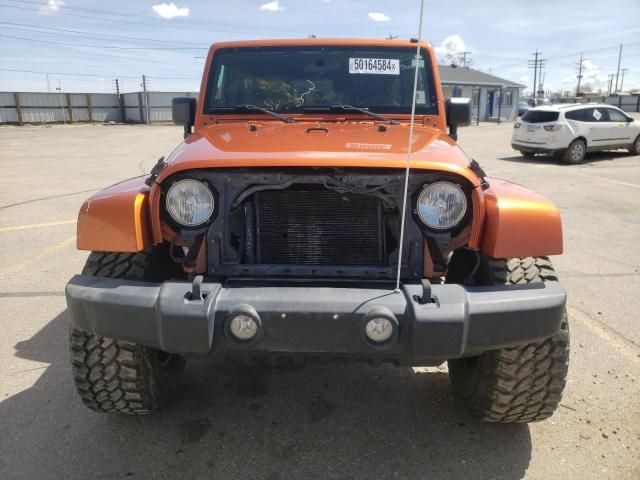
{"points": [[293, 79]]}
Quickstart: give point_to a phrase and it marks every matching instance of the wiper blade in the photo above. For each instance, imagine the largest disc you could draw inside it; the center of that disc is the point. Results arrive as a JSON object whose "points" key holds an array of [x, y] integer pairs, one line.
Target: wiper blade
{"points": [[256, 108], [352, 108]]}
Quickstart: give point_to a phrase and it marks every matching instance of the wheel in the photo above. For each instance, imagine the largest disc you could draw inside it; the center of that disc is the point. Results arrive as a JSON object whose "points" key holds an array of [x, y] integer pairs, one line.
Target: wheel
{"points": [[118, 376], [575, 152], [519, 384], [527, 154], [634, 149]]}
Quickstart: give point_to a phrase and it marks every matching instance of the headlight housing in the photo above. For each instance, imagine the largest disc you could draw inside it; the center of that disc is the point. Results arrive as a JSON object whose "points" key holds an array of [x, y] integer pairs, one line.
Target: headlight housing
{"points": [[441, 205], [190, 202]]}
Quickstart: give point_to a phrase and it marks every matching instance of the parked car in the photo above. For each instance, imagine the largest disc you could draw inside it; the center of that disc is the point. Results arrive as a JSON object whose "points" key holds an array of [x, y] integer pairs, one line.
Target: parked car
{"points": [[273, 234], [570, 131], [523, 107]]}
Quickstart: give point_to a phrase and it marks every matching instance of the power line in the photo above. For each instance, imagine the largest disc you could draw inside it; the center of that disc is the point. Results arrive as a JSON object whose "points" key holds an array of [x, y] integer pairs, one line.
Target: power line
{"points": [[94, 75], [89, 34], [210, 27], [100, 46]]}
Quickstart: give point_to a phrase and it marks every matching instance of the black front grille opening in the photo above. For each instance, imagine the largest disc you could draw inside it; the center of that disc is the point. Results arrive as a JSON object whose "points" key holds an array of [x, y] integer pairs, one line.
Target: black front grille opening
{"points": [[312, 225]]}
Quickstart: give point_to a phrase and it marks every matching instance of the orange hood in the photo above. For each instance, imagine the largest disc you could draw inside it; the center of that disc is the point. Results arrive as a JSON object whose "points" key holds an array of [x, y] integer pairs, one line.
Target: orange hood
{"points": [[317, 144]]}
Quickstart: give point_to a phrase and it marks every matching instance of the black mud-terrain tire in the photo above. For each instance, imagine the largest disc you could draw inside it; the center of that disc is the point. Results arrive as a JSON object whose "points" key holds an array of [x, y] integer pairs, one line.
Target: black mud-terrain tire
{"points": [[634, 149], [117, 376], [575, 152], [520, 384]]}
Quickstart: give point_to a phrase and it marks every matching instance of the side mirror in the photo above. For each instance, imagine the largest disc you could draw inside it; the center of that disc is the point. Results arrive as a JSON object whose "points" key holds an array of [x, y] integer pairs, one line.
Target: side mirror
{"points": [[183, 112], [458, 112]]}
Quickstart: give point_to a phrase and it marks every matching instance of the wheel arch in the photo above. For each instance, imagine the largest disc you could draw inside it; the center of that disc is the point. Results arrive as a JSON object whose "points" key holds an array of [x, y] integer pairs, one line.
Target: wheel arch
{"points": [[519, 222], [116, 219]]}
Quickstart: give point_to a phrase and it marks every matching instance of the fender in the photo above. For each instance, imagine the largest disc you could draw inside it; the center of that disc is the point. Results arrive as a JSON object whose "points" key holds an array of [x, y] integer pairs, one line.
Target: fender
{"points": [[116, 219], [519, 222]]}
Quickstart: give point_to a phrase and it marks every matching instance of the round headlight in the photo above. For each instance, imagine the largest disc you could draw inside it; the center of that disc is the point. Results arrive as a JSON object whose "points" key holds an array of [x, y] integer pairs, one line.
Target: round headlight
{"points": [[442, 205], [190, 202]]}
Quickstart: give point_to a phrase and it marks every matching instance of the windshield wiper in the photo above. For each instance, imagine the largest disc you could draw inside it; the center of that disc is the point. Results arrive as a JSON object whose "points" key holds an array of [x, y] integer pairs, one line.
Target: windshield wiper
{"points": [[256, 108], [351, 108]]}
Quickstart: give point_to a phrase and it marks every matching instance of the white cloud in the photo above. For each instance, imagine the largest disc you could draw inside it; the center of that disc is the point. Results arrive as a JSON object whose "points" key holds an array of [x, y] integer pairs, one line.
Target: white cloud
{"points": [[272, 6], [451, 45], [524, 79], [170, 10], [51, 7], [379, 17]]}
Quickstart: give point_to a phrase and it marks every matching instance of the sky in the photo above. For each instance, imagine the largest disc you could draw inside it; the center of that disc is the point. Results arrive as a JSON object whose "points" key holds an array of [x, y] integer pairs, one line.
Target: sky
{"points": [[94, 42]]}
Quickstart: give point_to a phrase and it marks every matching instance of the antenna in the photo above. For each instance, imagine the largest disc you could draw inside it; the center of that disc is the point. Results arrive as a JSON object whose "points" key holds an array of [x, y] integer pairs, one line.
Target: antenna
{"points": [[410, 146]]}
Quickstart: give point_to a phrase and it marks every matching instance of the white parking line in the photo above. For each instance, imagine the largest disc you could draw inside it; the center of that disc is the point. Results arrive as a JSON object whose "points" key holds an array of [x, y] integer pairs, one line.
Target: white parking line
{"points": [[601, 178], [39, 256], [606, 333], [36, 225]]}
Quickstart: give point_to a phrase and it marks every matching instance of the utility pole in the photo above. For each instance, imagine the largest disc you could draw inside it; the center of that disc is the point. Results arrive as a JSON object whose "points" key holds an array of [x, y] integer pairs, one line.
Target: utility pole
{"points": [[622, 80], [146, 99], [537, 64], [464, 58], [610, 83], [618, 72], [48, 83], [579, 76], [64, 117], [116, 85]]}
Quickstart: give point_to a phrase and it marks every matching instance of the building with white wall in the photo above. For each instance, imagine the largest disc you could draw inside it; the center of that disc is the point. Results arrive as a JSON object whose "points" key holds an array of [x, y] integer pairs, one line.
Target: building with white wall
{"points": [[492, 96]]}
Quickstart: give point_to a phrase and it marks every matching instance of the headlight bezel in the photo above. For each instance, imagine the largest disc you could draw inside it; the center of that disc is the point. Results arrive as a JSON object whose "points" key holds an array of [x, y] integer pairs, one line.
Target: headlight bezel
{"points": [[463, 220], [167, 215]]}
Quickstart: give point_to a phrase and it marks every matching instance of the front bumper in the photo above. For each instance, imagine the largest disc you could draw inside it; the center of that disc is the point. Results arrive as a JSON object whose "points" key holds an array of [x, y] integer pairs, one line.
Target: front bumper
{"points": [[315, 320]]}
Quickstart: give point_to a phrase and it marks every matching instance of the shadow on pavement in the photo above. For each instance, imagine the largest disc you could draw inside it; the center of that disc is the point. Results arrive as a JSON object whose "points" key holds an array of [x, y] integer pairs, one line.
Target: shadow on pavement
{"points": [[255, 423], [592, 157]]}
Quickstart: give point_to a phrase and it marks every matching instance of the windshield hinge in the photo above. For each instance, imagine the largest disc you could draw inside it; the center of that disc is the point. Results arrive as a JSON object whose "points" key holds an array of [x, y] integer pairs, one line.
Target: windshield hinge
{"points": [[155, 171], [475, 167]]}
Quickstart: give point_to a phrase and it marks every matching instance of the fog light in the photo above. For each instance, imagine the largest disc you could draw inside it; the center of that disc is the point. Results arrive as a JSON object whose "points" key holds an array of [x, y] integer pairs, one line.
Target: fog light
{"points": [[243, 327], [379, 329]]}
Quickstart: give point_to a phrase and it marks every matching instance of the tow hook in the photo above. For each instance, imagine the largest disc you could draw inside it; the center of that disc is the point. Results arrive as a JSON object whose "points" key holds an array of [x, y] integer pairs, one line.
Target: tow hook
{"points": [[426, 293], [196, 294]]}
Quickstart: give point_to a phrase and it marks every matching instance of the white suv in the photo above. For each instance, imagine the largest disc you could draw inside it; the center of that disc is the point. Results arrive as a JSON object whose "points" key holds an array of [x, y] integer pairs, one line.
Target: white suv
{"points": [[573, 130]]}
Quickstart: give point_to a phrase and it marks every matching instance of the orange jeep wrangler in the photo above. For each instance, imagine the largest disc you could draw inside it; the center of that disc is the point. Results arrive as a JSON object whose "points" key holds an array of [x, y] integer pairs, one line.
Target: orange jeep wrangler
{"points": [[297, 221]]}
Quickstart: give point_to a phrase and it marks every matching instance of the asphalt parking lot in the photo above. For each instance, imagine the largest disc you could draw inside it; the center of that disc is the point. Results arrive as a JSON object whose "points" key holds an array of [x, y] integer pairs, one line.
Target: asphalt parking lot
{"points": [[317, 422]]}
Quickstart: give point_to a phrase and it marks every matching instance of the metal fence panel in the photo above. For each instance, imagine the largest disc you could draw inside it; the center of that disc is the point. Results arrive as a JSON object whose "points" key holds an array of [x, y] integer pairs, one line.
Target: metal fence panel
{"points": [[40, 107], [44, 115], [8, 115], [104, 100], [55, 100], [7, 99], [100, 114], [131, 107], [80, 114], [78, 99]]}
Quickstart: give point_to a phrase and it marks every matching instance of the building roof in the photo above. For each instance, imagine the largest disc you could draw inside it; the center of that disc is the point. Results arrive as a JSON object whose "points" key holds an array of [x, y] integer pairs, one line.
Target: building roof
{"points": [[450, 75]]}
